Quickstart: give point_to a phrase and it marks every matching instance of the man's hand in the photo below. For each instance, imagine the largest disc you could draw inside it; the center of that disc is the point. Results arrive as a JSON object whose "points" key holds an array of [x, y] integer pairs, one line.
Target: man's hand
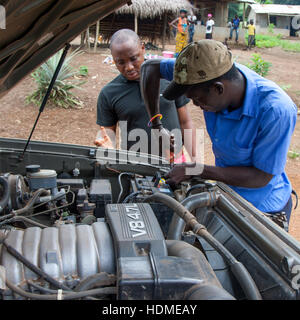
{"points": [[178, 173], [104, 141], [166, 142]]}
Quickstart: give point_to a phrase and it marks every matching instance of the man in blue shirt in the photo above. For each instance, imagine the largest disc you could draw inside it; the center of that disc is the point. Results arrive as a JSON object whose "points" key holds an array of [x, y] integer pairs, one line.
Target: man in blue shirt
{"points": [[250, 121], [235, 27]]}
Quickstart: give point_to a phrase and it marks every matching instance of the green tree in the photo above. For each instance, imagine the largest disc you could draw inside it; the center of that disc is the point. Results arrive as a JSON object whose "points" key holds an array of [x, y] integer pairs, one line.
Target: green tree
{"points": [[235, 9], [291, 2], [265, 1]]}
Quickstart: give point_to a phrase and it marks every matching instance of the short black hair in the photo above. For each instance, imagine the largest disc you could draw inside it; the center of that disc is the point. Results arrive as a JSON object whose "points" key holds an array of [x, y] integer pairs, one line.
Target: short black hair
{"points": [[122, 36], [231, 75]]}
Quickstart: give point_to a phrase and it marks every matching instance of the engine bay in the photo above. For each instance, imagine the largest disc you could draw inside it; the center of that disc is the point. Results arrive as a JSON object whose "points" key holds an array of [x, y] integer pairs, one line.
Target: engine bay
{"points": [[75, 226]]}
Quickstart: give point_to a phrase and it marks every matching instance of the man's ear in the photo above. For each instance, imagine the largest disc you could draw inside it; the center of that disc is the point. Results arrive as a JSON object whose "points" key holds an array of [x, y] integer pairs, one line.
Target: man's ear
{"points": [[143, 45], [219, 87]]}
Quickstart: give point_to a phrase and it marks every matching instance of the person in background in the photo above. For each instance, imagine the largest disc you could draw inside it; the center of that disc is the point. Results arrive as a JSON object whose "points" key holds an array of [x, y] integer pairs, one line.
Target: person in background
{"points": [[192, 21], [236, 27], [209, 27], [251, 34], [230, 26], [182, 30]]}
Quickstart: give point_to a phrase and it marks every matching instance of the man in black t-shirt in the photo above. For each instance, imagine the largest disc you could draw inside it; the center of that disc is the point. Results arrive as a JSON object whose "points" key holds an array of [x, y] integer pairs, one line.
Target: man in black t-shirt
{"points": [[121, 100]]}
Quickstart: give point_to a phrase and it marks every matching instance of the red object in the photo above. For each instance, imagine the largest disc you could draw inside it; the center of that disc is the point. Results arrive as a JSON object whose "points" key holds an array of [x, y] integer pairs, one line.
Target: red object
{"points": [[180, 159]]}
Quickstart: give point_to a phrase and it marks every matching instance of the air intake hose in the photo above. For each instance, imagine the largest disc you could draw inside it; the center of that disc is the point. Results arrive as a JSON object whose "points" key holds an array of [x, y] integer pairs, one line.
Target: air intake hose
{"points": [[240, 272], [6, 193]]}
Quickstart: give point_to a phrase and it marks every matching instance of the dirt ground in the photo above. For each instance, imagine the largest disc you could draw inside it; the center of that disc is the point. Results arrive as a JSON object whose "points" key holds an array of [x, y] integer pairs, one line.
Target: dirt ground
{"points": [[79, 126]]}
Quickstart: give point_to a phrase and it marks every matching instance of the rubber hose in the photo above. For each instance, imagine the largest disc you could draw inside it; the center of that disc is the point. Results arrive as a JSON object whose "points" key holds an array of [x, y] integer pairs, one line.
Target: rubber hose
{"points": [[130, 196], [238, 269], [31, 202], [207, 292], [191, 203], [66, 296], [23, 219], [6, 193], [96, 280], [195, 187], [242, 275], [51, 291]]}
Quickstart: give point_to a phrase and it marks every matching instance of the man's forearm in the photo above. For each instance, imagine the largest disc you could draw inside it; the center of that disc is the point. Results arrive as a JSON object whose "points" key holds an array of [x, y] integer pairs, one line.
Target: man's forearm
{"points": [[150, 83], [247, 177], [189, 141]]}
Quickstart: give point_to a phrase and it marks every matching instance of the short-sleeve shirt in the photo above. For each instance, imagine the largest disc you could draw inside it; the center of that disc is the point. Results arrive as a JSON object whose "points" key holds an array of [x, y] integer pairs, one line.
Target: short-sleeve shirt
{"points": [[209, 25], [256, 135], [236, 23], [251, 30], [121, 100]]}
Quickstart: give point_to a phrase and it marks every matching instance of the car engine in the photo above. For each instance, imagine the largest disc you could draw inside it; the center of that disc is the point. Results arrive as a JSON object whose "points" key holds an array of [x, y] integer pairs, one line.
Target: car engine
{"points": [[121, 233], [124, 247]]}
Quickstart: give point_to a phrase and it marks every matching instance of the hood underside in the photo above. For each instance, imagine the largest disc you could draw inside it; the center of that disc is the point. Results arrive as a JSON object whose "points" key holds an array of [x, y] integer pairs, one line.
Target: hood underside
{"points": [[36, 29]]}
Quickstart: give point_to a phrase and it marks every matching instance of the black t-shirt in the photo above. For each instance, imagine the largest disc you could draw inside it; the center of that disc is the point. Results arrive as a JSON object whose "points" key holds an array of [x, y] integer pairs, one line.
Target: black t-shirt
{"points": [[121, 100]]}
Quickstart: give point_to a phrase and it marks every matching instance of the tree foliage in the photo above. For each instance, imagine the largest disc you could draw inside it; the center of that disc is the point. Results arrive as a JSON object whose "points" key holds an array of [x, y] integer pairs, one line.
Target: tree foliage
{"points": [[235, 9], [291, 2]]}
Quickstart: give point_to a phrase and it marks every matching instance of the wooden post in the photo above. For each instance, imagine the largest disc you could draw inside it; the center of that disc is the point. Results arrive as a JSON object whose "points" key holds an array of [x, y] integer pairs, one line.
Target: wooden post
{"points": [[164, 31], [88, 38], [96, 36], [82, 39], [135, 23], [244, 15]]}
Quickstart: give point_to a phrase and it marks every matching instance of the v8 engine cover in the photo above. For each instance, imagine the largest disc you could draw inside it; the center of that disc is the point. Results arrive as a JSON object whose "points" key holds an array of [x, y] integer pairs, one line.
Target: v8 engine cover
{"points": [[135, 230]]}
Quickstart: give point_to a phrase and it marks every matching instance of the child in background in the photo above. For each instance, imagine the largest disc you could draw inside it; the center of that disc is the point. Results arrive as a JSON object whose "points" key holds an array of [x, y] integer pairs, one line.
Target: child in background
{"points": [[251, 34], [209, 27]]}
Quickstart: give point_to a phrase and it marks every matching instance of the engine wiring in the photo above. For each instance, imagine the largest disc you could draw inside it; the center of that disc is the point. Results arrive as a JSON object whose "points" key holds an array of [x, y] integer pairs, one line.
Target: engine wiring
{"points": [[15, 215], [56, 208], [120, 184]]}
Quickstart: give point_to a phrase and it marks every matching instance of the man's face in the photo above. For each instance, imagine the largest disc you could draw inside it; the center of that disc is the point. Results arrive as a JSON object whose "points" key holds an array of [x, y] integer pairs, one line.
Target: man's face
{"points": [[182, 15], [128, 57], [212, 100]]}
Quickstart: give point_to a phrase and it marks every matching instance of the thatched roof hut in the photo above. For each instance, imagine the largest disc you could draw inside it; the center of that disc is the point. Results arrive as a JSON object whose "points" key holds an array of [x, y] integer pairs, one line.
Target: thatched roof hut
{"points": [[144, 9], [149, 18]]}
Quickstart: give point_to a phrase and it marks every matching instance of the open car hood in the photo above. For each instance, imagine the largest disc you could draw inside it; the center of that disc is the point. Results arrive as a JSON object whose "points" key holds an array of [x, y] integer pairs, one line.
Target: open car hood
{"points": [[36, 29]]}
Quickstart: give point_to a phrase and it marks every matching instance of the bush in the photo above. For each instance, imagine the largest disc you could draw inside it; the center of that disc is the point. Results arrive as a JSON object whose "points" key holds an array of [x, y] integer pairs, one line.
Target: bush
{"points": [[293, 154], [290, 46], [270, 41], [61, 94], [266, 41], [271, 28], [83, 71], [259, 65]]}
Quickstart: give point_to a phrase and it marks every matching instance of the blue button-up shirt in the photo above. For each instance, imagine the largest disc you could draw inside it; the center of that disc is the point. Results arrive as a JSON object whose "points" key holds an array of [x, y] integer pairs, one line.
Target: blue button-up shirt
{"points": [[256, 135]]}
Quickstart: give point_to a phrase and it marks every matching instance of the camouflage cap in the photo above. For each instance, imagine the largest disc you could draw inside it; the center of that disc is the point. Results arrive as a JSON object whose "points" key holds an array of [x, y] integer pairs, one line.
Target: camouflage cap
{"points": [[197, 63]]}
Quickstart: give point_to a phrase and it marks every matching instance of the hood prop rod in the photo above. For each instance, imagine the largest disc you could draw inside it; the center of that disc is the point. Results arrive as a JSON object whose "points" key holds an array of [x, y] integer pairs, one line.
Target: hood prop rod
{"points": [[46, 97]]}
